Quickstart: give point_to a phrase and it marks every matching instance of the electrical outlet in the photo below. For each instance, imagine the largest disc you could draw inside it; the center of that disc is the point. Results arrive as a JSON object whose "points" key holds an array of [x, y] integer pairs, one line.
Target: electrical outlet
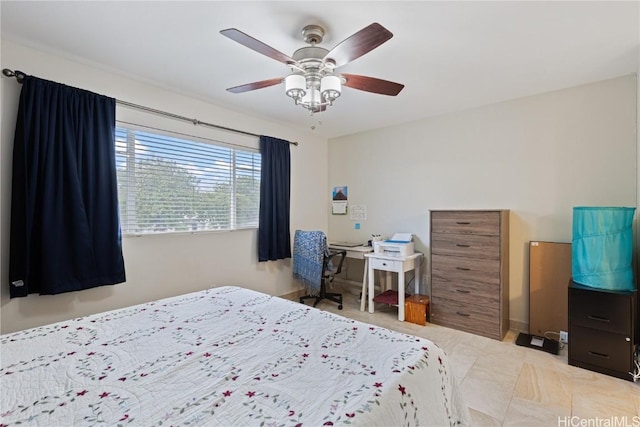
{"points": [[564, 337]]}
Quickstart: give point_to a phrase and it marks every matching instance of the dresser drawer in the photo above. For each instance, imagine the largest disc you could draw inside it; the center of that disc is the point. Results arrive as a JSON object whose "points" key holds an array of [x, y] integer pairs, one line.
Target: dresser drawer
{"points": [[463, 222], [468, 317], [600, 348], [487, 296], [453, 269], [598, 310], [473, 246]]}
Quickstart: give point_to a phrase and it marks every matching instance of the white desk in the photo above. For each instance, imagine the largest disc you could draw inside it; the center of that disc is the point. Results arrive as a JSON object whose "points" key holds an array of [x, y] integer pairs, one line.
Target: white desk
{"points": [[398, 265], [357, 252]]}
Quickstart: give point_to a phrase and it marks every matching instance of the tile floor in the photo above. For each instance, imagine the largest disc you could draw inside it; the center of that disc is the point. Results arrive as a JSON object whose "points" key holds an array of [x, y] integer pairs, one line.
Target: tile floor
{"points": [[508, 385]]}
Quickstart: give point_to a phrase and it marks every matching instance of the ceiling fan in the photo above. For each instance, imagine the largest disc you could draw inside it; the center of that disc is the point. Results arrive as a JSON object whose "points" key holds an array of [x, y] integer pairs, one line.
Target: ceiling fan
{"points": [[313, 82]]}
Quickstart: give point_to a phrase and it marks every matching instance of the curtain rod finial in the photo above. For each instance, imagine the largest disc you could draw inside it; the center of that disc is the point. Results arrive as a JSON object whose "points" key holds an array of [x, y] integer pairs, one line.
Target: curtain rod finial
{"points": [[19, 75]]}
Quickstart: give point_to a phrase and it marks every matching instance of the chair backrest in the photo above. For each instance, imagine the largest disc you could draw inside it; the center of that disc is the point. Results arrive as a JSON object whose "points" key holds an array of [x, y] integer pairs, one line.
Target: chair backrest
{"points": [[333, 264], [309, 250]]}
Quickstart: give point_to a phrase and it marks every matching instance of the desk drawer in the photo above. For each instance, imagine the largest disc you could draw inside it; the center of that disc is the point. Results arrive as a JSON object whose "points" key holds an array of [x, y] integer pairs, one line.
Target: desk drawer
{"points": [[598, 310], [385, 264], [472, 246], [600, 348], [465, 222]]}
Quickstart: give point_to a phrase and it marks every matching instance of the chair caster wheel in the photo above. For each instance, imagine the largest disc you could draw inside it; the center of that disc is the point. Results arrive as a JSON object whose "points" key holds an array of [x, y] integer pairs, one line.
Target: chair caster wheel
{"points": [[340, 307]]}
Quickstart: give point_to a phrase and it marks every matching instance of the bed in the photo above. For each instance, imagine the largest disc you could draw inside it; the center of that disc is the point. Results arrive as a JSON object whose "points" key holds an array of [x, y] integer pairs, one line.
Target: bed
{"points": [[224, 356]]}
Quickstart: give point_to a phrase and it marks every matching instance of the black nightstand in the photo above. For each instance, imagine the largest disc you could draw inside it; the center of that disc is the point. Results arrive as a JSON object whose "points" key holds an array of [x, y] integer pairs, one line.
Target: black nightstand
{"points": [[603, 328]]}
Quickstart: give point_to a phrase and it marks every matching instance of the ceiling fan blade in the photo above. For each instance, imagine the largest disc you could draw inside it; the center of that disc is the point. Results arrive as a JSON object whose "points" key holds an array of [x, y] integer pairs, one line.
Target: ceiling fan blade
{"points": [[371, 84], [257, 45], [255, 85], [358, 44]]}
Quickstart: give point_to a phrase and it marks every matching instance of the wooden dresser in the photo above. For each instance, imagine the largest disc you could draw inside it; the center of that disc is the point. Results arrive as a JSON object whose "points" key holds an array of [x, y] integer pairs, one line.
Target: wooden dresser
{"points": [[470, 271]]}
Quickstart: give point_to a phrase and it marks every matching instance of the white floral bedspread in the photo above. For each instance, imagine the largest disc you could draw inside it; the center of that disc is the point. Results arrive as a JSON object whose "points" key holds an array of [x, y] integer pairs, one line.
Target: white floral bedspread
{"points": [[221, 357]]}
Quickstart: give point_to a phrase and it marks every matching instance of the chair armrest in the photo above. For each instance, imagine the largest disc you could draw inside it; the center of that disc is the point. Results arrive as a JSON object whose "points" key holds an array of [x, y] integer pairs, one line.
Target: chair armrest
{"points": [[332, 254]]}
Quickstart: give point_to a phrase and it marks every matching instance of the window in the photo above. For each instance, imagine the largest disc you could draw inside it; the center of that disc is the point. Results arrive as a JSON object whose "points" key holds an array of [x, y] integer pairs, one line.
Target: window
{"points": [[168, 184]]}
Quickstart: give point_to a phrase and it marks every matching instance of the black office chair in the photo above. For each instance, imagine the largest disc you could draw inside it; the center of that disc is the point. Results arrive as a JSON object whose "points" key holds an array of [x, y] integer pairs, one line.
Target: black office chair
{"points": [[316, 266]]}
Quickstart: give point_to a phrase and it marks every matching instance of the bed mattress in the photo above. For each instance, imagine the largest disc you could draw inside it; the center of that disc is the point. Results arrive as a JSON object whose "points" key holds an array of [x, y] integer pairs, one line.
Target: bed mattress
{"points": [[222, 357]]}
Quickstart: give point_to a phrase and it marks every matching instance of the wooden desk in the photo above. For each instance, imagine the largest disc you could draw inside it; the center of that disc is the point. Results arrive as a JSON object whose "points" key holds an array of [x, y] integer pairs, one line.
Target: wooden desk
{"points": [[357, 252], [398, 265]]}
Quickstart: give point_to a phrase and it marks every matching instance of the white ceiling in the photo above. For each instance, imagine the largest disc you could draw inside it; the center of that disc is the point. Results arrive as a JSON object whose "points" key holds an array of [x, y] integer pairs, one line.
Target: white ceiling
{"points": [[449, 55]]}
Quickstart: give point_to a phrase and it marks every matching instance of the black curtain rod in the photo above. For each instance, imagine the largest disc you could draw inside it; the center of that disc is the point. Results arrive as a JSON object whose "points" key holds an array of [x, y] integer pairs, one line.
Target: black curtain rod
{"points": [[19, 75]]}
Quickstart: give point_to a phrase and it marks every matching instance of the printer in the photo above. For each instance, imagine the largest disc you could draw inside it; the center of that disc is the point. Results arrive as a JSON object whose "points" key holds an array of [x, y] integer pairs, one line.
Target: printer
{"points": [[399, 245]]}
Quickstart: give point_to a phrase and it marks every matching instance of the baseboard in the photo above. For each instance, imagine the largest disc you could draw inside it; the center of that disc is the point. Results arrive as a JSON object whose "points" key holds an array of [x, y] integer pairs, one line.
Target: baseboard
{"points": [[516, 325], [294, 296], [342, 281]]}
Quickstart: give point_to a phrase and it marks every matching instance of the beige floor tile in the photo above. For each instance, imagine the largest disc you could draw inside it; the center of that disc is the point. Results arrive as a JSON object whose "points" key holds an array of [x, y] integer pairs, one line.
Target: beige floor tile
{"points": [[475, 341], [462, 359], [488, 390], [479, 419], [504, 357], [511, 336], [601, 396], [545, 386], [548, 360], [634, 392], [527, 413], [635, 395]]}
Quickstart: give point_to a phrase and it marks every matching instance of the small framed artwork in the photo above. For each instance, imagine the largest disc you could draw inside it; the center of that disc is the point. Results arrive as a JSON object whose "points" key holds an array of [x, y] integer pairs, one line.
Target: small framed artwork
{"points": [[339, 200]]}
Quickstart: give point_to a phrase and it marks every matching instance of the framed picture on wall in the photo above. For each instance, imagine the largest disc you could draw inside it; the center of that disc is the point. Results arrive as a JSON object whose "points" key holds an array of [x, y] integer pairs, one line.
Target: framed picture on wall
{"points": [[339, 200]]}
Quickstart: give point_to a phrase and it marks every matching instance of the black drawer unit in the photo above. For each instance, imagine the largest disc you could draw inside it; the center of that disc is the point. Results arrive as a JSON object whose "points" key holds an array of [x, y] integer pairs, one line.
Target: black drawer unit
{"points": [[603, 329]]}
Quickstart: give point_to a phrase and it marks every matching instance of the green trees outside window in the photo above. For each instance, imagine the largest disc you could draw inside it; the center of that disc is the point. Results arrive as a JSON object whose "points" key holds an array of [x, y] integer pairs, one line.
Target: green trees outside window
{"points": [[169, 184]]}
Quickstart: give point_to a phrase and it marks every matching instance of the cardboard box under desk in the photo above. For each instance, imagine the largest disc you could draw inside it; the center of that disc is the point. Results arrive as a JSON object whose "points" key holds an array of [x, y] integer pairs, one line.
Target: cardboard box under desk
{"points": [[416, 309]]}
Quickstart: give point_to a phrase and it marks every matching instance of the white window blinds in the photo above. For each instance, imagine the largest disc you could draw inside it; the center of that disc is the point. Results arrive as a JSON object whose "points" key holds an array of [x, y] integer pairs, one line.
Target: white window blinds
{"points": [[168, 184]]}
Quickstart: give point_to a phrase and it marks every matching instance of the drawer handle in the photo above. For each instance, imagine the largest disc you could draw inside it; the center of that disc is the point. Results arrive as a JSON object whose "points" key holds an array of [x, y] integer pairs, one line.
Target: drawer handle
{"points": [[463, 222], [462, 246], [463, 268], [599, 319], [463, 291], [602, 356], [459, 313]]}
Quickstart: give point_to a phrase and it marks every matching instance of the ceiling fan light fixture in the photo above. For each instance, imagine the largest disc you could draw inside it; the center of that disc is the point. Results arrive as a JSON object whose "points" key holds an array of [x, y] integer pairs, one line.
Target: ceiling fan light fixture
{"points": [[312, 99], [305, 92], [295, 86], [312, 83], [330, 88]]}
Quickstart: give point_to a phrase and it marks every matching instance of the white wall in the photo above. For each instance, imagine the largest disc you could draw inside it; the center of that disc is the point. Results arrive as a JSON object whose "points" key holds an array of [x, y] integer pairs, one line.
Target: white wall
{"points": [[538, 156], [158, 266]]}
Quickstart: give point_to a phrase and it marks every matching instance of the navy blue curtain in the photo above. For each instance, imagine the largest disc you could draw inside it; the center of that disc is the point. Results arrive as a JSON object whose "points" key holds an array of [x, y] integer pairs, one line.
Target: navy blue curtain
{"points": [[65, 227], [274, 237]]}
